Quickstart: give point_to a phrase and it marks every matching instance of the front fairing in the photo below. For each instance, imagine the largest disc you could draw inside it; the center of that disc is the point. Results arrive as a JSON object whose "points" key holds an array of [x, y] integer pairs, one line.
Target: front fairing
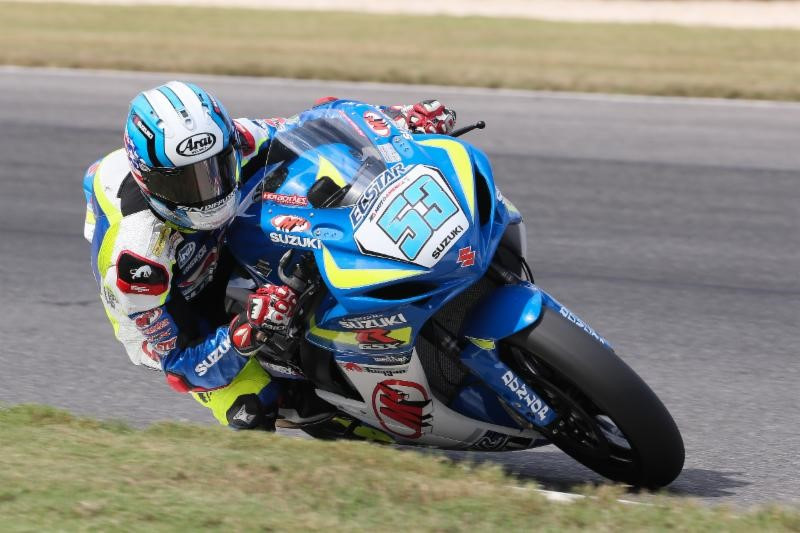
{"points": [[372, 279]]}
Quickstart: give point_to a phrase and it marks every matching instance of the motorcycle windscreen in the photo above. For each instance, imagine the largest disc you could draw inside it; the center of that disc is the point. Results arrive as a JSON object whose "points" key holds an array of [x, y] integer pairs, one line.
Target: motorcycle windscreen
{"points": [[325, 157]]}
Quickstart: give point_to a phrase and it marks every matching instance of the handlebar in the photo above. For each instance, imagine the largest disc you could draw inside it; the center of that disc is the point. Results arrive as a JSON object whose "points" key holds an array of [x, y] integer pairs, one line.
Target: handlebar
{"points": [[466, 129]]}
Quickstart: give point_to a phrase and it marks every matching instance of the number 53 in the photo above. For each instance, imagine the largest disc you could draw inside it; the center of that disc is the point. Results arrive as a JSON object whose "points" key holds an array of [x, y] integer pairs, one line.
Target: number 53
{"points": [[411, 226]]}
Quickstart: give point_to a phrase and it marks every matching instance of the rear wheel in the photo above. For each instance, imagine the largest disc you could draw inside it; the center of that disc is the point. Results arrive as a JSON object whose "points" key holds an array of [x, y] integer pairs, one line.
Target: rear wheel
{"points": [[609, 419]]}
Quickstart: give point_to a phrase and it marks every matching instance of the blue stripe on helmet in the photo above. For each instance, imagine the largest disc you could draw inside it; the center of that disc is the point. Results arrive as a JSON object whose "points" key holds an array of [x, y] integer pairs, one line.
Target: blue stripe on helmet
{"points": [[218, 113], [152, 122], [151, 151], [172, 97]]}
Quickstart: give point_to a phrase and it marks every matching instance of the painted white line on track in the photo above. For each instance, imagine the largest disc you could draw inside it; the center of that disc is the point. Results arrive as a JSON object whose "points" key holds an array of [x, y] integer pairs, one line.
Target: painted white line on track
{"points": [[391, 87], [569, 497], [555, 496]]}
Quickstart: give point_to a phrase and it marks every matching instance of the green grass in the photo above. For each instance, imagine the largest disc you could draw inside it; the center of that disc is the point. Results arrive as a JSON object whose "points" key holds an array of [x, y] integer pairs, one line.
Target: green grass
{"points": [[59, 472], [626, 58]]}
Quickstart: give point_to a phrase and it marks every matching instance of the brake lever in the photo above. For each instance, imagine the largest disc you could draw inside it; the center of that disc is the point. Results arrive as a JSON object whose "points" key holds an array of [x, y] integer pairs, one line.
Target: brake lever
{"points": [[466, 129]]}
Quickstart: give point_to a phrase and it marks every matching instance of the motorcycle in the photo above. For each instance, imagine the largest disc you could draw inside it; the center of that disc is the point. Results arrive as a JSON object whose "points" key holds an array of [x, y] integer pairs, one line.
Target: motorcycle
{"points": [[418, 319]]}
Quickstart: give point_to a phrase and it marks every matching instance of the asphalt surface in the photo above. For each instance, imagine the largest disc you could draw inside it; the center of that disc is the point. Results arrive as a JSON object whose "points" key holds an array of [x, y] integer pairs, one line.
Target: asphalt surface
{"points": [[671, 226]]}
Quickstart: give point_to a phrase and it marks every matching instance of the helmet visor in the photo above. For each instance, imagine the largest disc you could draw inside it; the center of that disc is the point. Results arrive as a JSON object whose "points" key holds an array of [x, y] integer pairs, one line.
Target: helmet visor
{"points": [[197, 184]]}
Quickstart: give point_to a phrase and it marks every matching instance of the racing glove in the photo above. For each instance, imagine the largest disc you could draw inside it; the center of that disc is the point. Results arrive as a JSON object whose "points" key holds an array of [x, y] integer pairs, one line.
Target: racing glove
{"points": [[428, 116], [268, 310]]}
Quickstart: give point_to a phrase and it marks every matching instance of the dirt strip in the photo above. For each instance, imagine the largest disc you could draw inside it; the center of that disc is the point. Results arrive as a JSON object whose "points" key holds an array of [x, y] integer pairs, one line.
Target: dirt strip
{"points": [[725, 13]]}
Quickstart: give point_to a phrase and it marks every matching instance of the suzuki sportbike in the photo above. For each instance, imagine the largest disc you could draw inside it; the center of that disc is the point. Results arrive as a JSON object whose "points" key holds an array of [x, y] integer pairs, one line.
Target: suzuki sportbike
{"points": [[419, 322]]}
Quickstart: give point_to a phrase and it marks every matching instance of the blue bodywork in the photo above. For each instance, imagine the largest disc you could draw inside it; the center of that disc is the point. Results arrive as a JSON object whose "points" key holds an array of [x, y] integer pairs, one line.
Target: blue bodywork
{"points": [[420, 222]]}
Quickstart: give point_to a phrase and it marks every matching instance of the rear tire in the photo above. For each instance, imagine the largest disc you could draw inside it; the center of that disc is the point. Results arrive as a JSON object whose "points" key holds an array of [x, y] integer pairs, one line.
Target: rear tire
{"points": [[609, 419]]}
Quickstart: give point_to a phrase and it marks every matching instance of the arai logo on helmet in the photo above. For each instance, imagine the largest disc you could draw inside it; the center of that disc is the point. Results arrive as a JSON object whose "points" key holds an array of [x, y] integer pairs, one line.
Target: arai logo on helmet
{"points": [[196, 144]]}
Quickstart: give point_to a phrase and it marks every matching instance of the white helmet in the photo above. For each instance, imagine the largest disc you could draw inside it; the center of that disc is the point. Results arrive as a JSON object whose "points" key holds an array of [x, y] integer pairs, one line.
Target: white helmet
{"points": [[184, 154]]}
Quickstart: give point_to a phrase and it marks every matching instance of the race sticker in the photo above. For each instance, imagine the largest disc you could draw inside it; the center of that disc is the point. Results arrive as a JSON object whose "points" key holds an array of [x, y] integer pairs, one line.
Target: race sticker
{"points": [[403, 408], [416, 218], [388, 153]]}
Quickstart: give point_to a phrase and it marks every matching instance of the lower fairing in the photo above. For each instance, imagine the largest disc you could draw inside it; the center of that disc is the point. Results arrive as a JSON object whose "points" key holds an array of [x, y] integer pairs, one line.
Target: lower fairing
{"points": [[400, 401]]}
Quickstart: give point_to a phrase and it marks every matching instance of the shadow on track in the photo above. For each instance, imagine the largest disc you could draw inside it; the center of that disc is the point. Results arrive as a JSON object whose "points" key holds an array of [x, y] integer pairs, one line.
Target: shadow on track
{"points": [[554, 470]]}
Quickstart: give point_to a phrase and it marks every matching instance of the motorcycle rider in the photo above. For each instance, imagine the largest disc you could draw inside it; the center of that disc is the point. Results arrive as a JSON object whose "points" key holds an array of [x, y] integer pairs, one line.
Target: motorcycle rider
{"points": [[157, 211]]}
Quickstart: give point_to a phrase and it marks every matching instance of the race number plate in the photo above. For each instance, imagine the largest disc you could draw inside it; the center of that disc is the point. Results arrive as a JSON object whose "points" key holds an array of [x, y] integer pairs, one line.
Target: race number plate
{"points": [[416, 219]]}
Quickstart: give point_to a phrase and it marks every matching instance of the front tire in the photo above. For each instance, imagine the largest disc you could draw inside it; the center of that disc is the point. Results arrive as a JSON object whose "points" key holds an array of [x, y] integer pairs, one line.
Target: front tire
{"points": [[609, 419]]}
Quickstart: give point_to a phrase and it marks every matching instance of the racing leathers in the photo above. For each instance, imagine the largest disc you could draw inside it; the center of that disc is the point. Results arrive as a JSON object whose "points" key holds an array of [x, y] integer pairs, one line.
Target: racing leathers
{"points": [[163, 287]]}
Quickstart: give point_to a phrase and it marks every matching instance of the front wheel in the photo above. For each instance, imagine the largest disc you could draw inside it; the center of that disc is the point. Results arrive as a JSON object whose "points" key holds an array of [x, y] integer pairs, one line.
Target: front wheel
{"points": [[609, 419]]}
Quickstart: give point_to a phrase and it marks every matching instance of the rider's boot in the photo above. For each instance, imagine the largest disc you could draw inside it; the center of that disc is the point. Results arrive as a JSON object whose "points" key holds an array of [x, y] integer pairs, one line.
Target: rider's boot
{"points": [[299, 405]]}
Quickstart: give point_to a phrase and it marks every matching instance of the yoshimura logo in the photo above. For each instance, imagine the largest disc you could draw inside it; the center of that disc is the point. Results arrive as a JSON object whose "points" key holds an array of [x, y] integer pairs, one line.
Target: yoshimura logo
{"points": [[290, 223], [196, 144]]}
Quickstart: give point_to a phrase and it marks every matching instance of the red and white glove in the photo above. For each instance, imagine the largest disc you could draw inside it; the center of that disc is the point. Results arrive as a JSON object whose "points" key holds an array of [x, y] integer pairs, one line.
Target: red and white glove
{"points": [[271, 307], [268, 309], [428, 116]]}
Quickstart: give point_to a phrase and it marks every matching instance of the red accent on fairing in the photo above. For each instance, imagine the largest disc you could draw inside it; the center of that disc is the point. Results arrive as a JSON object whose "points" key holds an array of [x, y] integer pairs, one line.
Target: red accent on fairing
{"points": [[393, 399], [249, 141], [466, 257], [377, 123], [376, 336], [353, 367], [324, 100], [285, 199], [290, 223]]}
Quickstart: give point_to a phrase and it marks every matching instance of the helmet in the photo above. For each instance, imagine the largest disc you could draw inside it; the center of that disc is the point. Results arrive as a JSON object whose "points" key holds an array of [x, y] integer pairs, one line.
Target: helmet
{"points": [[184, 155]]}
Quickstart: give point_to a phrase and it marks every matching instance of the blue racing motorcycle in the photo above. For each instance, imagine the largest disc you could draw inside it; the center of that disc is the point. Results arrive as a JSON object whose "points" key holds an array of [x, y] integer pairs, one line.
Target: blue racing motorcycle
{"points": [[419, 322]]}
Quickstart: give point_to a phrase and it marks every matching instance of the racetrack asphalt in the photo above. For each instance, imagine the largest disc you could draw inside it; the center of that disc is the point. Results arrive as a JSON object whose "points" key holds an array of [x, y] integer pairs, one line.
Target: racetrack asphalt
{"points": [[671, 226]]}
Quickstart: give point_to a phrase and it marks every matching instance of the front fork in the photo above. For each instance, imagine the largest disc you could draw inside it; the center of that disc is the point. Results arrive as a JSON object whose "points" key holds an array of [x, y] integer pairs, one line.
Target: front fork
{"points": [[481, 358], [507, 310]]}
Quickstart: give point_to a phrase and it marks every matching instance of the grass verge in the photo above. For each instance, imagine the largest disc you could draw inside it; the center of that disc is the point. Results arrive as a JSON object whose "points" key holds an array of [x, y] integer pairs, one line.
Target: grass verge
{"points": [[60, 472], [624, 58]]}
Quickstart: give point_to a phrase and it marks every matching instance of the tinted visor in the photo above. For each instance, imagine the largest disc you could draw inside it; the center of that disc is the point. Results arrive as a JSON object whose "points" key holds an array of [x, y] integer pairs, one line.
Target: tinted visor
{"points": [[196, 184]]}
